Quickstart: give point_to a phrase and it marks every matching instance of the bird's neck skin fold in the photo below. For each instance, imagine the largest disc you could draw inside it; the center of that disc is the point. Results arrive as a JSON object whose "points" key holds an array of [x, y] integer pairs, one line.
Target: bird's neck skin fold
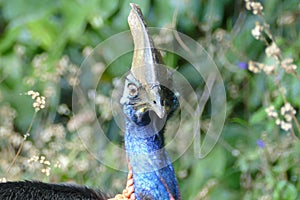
{"points": [[153, 173]]}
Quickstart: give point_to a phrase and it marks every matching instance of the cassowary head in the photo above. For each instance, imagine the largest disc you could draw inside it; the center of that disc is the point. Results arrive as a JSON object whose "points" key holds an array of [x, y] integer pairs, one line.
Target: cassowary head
{"points": [[147, 86], [140, 99]]}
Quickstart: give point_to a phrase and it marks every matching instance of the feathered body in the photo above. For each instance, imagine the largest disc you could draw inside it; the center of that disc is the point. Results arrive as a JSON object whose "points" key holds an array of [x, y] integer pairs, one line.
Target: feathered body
{"points": [[30, 190]]}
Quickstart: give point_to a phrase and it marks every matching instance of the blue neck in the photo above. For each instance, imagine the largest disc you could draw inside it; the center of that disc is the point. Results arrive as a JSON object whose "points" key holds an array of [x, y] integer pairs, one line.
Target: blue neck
{"points": [[153, 173]]}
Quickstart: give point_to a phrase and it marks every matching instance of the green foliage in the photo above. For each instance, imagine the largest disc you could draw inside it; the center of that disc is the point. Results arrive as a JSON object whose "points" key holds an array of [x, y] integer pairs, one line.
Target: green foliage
{"points": [[43, 43]]}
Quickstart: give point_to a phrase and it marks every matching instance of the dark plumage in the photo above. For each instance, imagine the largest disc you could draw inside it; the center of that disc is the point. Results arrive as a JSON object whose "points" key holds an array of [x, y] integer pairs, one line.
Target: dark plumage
{"points": [[31, 190]]}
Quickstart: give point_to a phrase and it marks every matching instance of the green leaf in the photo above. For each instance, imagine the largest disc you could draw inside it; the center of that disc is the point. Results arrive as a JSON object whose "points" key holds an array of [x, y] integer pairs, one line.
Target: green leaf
{"points": [[213, 12], [258, 88], [9, 39], [74, 18], [12, 67], [285, 191], [258, 117], [187, 12], [210, 167], [163, 14], [107, 7], [43, 32], [24, 11]]}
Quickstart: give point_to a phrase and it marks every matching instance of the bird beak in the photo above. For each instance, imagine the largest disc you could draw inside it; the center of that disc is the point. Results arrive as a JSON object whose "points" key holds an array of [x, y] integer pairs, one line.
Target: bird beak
{"points": [[146, 62], [157, 103]]}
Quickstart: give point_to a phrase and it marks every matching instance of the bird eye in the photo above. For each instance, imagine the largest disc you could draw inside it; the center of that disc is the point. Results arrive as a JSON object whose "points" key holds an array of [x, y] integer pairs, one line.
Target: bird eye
{"points": [[133, 90]]}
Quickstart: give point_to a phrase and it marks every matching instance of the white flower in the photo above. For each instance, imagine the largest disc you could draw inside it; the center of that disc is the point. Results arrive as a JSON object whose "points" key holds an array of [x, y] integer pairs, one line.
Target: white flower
{"points": [[272, 50], [287, 109], [285, 125], [257, 8], [46, 171], [278, 121], [257, 30], [255, 67], [3, 180], [269, 69], [40, 101], [271, 111], [248, 5], [288, 66]]}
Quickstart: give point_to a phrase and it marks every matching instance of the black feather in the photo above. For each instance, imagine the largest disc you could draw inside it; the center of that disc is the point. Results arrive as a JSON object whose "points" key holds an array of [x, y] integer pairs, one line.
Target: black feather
{"points": [[33, 190]]}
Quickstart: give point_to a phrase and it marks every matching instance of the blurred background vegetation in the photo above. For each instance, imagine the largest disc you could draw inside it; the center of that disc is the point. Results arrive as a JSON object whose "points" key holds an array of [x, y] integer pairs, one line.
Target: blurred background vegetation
{"points": [[43, 43]]}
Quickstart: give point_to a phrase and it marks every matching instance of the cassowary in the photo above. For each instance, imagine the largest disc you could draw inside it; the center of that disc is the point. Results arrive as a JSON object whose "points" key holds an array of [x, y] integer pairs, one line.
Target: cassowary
{"points": [[148, 101]]}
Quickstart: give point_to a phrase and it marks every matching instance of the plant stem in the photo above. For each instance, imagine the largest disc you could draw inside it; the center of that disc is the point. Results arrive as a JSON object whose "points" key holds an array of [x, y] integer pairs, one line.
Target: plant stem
{"points": [[21, 145]]}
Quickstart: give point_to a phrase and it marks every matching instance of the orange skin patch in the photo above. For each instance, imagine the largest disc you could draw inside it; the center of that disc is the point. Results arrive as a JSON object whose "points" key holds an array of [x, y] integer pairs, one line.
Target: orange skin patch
{"points": [[128, 192]]}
